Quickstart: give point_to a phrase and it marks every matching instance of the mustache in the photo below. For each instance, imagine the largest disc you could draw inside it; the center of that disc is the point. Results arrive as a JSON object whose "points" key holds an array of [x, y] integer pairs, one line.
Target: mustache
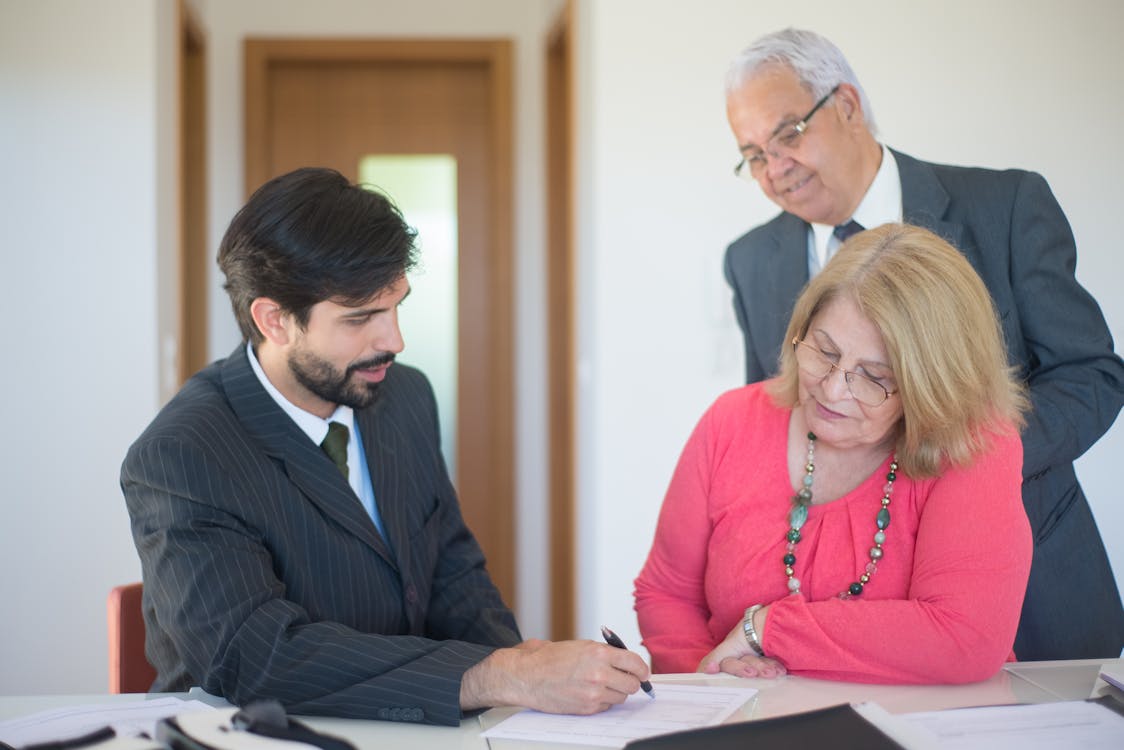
{"points": [[369, 364]]}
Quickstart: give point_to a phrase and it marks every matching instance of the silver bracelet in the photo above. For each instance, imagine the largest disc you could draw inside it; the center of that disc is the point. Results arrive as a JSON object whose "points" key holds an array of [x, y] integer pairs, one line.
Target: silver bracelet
{"points": [[750, 631]]}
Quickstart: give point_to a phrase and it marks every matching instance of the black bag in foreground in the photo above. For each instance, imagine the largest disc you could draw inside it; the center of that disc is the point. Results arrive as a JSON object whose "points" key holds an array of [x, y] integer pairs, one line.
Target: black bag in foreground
{"points": [[242, 729]]}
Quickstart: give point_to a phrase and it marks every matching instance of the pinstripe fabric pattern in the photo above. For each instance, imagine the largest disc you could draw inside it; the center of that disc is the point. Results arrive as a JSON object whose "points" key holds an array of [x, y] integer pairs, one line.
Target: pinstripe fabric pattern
{"points": [[264, 577]]}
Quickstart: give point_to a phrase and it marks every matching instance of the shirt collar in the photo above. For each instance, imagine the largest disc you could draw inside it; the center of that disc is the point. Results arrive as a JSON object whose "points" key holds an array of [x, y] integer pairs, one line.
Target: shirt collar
{"points": [[881, 204], [310, 424]]}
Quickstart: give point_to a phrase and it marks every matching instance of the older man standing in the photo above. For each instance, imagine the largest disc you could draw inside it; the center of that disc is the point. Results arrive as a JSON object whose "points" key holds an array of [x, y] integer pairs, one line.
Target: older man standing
{"points": [[806, 134]]}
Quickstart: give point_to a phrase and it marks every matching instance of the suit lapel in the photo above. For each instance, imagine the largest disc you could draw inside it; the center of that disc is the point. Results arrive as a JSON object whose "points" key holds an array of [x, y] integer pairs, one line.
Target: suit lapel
{"points": [[788, 271], [784, 273], [306, 465], [386, 470], [925, 201]]}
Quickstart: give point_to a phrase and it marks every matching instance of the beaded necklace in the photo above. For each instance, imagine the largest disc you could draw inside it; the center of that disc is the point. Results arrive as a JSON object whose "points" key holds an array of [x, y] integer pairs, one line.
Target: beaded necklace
{"points": [[799, 514]]}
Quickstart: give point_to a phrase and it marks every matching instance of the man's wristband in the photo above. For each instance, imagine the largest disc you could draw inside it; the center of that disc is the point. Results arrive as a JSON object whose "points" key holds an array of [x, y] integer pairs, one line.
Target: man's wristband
{"points": [[750, 631]]}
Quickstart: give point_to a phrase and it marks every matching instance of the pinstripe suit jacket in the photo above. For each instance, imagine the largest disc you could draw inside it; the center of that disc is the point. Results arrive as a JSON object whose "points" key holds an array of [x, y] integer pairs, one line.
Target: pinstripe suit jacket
{"points": [[264, 577], [1012, 230]]}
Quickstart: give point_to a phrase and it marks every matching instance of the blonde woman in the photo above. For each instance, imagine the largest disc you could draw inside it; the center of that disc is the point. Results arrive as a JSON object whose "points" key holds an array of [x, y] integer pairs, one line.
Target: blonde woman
{"points": [[858, 517]]}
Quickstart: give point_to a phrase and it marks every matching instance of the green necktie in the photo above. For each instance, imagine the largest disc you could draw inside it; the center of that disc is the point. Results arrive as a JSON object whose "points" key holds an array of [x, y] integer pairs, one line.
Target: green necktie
{"points": [[335, 445]]}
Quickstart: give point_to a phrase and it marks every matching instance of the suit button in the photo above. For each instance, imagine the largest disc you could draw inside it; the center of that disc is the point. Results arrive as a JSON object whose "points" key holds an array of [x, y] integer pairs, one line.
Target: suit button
{"points": [[384, 714], [416, 714], [411, 594], [396, 714]]}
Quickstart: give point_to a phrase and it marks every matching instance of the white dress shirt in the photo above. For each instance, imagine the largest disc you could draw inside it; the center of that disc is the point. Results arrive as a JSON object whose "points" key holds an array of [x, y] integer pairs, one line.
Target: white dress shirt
{"points": [[882, 204], [358, 473]]}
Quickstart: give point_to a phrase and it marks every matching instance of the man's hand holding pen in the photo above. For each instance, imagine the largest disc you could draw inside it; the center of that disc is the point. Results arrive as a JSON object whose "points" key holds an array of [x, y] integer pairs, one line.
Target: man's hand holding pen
{"points": [[571, 677], [614, 640]]}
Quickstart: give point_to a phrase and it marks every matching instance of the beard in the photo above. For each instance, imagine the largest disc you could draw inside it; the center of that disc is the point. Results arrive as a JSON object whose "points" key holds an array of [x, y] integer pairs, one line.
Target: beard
{"points": [[323, 379]]}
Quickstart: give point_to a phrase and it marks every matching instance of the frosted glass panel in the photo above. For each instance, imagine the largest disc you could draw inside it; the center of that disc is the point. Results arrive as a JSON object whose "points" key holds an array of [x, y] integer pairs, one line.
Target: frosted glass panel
{"points": [[424, 187]]}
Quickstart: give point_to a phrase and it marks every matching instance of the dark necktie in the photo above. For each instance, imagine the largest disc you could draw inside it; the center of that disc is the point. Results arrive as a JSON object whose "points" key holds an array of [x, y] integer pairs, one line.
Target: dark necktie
{"points": [[843, 231], [335, 445]]}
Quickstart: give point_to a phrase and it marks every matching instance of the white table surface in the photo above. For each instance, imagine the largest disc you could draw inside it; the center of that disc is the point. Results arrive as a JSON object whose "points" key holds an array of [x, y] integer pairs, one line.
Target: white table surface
{"points": [[1026, 682]]}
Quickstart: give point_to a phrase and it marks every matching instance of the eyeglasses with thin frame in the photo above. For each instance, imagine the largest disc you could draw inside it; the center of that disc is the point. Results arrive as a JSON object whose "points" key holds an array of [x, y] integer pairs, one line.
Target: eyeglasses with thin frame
{"points": [[785, 140], [813, 362]]}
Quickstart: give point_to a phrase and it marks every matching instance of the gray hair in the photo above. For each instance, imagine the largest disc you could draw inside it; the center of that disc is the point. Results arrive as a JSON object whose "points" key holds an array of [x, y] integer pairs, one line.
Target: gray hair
{"points": [[817, 63]]}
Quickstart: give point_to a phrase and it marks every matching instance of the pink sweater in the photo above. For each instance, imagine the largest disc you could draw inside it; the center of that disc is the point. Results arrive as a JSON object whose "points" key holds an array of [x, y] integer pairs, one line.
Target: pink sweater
{"points": [[941, 608]]}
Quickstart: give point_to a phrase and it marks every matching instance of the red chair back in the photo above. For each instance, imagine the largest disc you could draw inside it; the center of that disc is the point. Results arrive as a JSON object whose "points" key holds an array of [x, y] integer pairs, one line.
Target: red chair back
{"points": [[129, 670]]}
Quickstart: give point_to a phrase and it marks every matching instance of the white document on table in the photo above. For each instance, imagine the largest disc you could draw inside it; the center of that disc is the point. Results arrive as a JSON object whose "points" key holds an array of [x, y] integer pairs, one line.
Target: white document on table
{"points": [[675, 708], [1036, 726], [128, 718]]}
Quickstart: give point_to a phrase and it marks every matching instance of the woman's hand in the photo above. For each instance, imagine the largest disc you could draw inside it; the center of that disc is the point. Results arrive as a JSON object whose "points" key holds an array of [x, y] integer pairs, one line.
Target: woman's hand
{"points": [[734, 656], [750, 665]]}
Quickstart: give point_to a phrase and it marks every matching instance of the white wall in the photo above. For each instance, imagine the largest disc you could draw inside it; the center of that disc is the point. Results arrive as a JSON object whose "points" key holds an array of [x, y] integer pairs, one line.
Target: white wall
{"points": [[80, 241], [1005, 83]]}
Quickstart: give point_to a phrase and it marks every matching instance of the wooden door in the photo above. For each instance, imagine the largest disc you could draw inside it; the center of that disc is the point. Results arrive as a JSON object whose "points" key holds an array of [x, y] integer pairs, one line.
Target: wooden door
{"points": [[329, 103], [561, 365], [194, 260]]}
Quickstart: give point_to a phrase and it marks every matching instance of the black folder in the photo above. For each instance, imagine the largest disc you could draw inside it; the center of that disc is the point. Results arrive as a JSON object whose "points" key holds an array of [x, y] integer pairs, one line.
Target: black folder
{"points": [[837, 727]]}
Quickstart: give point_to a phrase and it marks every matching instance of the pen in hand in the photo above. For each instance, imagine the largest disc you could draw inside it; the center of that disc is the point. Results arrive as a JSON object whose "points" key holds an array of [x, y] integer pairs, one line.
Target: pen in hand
{"points": [[614, 640]]}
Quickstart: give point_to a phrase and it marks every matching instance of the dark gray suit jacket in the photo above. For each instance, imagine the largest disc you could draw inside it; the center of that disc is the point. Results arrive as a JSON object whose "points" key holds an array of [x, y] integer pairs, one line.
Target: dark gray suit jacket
{"points": [[1011, 228], [264, 577]]}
